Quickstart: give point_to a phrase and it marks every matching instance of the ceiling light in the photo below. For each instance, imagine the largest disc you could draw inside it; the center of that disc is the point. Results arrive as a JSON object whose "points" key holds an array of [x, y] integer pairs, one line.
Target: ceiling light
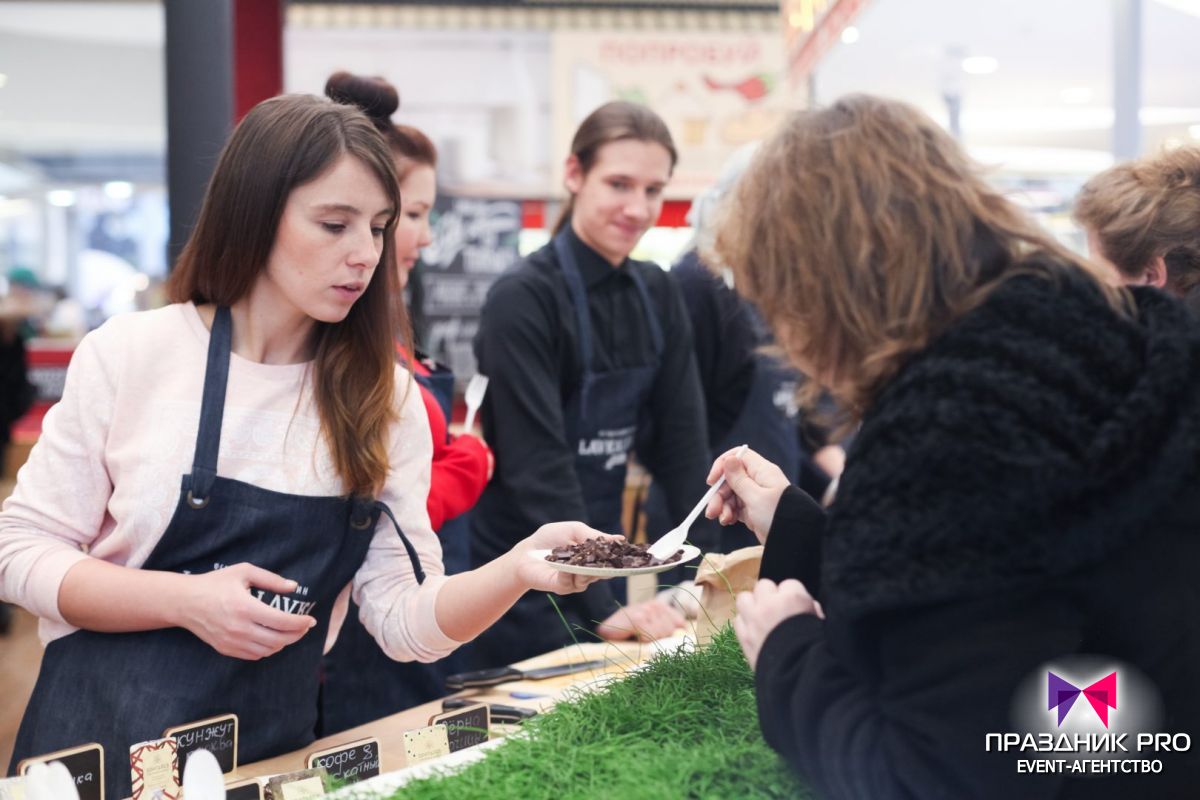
{"points": [[61, 198], [119, 190], [3, 80], [850, 35], [1194, 131], [980, 65], [1076, 95]]}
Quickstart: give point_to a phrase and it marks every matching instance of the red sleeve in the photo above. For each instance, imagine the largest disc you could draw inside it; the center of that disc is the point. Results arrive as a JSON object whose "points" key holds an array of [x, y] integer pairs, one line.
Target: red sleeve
{"points": [[460, 472], [460, 468]]}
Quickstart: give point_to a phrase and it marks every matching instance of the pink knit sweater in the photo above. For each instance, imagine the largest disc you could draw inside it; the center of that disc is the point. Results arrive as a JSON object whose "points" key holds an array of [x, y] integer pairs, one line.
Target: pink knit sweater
{"points": [[103, 480]]}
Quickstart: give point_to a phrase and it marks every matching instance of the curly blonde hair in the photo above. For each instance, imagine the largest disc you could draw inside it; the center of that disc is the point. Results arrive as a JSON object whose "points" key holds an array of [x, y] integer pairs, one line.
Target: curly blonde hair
{"points": [[1147, 209], [862, 231]]}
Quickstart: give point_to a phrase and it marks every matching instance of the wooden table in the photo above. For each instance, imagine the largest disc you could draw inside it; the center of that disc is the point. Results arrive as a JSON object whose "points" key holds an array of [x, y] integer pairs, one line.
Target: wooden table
{"points": [[619, 657]]}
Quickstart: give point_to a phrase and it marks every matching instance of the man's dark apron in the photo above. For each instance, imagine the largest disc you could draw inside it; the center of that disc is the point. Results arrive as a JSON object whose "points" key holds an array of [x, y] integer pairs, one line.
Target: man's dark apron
{"points": [[601, 424], [123, 688], [360, 683]]}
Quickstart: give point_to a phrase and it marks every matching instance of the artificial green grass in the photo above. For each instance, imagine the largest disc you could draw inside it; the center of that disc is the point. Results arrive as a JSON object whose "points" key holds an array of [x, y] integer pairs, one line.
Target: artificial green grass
{"points": [[683, 727]]}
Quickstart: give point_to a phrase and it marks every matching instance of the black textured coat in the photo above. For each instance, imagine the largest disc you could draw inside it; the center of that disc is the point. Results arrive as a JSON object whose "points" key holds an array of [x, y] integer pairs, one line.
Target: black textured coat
{"points": [[1027, 487]]}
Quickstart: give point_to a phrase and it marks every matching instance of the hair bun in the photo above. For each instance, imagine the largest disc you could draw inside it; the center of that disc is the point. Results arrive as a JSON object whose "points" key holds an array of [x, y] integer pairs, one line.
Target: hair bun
{"points": [[377, 98]]}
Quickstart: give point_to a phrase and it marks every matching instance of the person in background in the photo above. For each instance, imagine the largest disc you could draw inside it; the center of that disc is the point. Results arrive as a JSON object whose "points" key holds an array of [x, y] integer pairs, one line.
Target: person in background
{"points": [[1021, 491], [20, 307], [360, 682], [1143, 220], [270, 386], [589, 355]]}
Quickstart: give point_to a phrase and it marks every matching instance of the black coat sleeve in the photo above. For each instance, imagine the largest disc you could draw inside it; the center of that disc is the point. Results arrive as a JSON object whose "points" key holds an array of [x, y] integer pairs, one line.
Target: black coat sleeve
{"points": [[793, 548], [915, 725]]}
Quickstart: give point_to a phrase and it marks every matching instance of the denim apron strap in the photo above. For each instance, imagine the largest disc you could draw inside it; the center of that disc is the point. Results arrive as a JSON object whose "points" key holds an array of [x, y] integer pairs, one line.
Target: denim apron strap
{"points": [[212, 408], [583, 316], [408, 546], [656, 332]]}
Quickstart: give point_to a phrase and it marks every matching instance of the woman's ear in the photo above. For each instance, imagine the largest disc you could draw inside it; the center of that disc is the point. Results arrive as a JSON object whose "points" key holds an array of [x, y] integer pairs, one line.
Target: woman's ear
{"points": [[1156, 272], [573, 174]]}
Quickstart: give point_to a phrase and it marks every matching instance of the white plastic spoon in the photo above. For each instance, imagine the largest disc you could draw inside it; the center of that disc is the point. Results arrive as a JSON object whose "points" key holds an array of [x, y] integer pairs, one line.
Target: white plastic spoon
{"points": [[476, 389], [670, 541], [202, 779]]}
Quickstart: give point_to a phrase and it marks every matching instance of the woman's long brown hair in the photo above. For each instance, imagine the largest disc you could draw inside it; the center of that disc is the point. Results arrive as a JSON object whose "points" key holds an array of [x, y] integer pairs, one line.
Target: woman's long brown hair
{"points": [[863, 230], [283, 143]]}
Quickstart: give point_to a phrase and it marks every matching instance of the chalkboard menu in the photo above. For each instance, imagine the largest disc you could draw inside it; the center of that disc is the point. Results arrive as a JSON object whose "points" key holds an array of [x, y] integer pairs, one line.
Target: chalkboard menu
{"points": [[474, 240], [86, 765]]}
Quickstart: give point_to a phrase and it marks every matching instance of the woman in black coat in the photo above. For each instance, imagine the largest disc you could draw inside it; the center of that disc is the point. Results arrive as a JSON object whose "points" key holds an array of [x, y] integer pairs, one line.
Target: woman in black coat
{"points": [[1018, 525]]}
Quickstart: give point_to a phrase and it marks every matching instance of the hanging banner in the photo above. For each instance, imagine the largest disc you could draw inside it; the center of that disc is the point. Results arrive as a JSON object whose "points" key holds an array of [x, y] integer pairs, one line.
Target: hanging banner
{"points": [[715, 91]]}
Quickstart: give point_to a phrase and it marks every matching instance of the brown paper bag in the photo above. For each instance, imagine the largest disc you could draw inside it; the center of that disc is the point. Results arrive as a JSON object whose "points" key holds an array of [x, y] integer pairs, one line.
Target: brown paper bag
{"points": [[720, 577]]}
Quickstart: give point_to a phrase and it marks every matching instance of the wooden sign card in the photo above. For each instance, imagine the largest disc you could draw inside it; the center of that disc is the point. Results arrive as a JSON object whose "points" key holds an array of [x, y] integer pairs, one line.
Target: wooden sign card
{"points": [[244, 790], [154, 770], [426, 744], [217, 735], [85, 763], [351, 762], [297, 785], [466, 727]]}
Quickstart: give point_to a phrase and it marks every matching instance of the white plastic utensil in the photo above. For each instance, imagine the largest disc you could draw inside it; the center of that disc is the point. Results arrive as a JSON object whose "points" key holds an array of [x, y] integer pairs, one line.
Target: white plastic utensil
{"points": [[49, 782], [476, 389], [670, 541], [202, 778]]}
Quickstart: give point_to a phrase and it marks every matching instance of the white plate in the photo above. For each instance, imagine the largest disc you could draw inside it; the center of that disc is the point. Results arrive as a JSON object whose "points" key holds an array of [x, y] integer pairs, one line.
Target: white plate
{"points": [[689, 553]]}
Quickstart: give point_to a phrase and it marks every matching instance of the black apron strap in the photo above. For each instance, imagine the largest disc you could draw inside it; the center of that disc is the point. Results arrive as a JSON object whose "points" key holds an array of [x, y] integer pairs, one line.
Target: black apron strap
{"points": [[212, 408], [583, 317], [408, 546]]}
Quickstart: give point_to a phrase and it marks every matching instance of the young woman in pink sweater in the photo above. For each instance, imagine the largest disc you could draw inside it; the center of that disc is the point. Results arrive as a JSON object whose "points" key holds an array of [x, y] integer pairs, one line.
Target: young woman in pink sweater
{"points": [[219, 469]]}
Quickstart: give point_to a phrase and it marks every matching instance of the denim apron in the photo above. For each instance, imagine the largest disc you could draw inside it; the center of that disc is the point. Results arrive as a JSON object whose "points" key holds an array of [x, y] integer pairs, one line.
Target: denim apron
{"points": [[123, 688], [601, 420], [360, 682]]}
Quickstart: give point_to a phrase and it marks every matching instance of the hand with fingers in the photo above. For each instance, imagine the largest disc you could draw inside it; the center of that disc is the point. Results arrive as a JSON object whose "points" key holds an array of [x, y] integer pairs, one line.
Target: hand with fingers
{"points": [[219, 608], [760, 611], [541, 576], [751, 492], [645, 622]]}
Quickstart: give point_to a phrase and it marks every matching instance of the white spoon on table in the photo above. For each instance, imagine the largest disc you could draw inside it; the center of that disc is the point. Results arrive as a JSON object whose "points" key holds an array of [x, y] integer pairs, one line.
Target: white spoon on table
{"points": [[202, 778], [50, 782], [670, 541]]}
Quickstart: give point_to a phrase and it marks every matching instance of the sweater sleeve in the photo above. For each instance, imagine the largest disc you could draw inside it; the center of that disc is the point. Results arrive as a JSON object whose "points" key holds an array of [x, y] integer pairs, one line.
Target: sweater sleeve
{"points": [[60, 503], [918, 729], [399, 612]]}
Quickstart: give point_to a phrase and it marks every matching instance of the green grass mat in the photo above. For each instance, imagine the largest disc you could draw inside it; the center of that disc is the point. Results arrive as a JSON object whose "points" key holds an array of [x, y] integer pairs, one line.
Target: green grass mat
{"points": [[683, 727]]}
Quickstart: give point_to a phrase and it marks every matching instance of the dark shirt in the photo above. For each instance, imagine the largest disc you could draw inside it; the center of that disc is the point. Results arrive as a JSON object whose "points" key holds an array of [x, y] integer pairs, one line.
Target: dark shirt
{"points": [[725, 337], [528, 347]]}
